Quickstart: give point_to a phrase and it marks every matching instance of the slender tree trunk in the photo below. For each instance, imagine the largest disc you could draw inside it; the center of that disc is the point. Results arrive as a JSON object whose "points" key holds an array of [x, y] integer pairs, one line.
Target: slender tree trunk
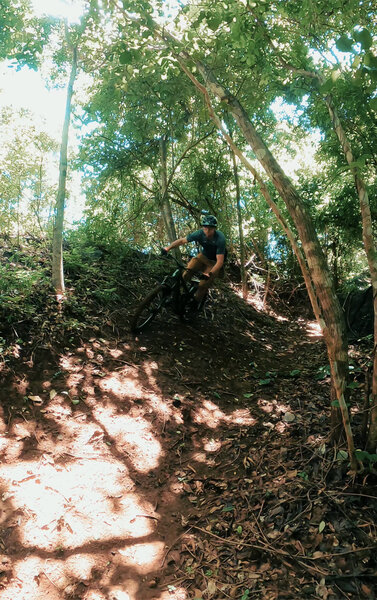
{"points": [[39, 196], [367, 228], [57, 239], [240, 226], [167, 214], [18, 211], [370, 250]]}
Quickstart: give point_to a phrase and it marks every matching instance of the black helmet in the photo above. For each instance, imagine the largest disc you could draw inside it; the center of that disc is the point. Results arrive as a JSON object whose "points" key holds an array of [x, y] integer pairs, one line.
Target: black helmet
{"points": [[209, 221]]}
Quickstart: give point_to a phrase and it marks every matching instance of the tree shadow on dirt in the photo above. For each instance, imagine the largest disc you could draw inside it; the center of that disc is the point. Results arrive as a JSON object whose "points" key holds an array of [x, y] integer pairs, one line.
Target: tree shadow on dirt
{"points": [[99, 468]]}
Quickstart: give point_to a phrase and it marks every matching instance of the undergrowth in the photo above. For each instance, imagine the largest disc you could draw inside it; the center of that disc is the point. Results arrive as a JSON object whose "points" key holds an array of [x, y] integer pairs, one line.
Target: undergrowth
{"points": [[98, 280]]}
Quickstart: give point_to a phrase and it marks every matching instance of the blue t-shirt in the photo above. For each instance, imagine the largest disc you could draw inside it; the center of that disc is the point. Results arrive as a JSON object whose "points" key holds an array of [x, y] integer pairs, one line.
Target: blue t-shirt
{"points": [[211, 248]]}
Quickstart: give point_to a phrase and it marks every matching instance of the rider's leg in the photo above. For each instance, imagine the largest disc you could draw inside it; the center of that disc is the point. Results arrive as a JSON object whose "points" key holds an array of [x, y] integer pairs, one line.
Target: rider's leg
{"points": [[205, 284], [195, 265]]}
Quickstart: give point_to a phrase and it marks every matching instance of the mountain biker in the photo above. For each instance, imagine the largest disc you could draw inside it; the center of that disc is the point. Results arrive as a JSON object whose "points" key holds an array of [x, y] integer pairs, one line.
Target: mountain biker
{"points": [[210, 261]]}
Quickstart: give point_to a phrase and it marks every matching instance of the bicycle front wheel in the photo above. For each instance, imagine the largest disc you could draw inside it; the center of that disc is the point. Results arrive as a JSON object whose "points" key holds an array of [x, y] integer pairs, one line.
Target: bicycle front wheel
{"points": [[148, 309]]}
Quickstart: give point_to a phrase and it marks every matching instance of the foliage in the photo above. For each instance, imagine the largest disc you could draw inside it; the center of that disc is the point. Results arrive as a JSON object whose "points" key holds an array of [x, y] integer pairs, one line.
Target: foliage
{"points": [[27, 159], [22, 35], [138, 93]]}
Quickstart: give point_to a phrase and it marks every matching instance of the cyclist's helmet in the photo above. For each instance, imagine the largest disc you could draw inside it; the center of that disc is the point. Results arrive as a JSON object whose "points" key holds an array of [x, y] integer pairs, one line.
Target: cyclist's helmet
{"points": [[209, 221]]}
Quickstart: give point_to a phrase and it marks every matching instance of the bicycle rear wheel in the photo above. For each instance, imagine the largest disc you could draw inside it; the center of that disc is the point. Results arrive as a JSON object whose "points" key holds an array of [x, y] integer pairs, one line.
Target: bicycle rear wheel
{"points": [[149, 308]]}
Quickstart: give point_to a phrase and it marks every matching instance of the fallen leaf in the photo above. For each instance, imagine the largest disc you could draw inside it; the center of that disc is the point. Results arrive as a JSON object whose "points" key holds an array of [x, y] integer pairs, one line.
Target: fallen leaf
{"points": [[36, 400], [212, 588], [366, 590]]}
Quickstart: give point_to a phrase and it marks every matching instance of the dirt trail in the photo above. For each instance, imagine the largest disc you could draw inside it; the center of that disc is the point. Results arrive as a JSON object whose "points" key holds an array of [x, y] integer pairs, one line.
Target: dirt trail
{"points": [[108, 448]]}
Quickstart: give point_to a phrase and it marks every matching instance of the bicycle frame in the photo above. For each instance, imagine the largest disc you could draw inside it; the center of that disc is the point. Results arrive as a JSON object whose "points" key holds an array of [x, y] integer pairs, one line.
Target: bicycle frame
{"points": [[180, 290], [173, 291]]}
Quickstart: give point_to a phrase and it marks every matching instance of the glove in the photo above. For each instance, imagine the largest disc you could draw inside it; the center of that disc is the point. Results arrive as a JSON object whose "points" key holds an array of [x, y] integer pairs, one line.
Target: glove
{"points": [[163, 252]]}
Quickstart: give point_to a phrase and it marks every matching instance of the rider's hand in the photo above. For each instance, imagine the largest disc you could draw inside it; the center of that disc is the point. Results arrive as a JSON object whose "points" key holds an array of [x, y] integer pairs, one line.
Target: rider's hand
{"points": [[207, 275]]}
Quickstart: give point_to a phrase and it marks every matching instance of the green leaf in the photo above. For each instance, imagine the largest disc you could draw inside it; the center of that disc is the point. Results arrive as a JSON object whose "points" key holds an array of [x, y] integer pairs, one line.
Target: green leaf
{"points": [[364, 38], [344, 44], [335, 403], [342, 455], [214, 22], [247, 395], [373, 104], [250, 60], [126, 57], [216, 395], [364, 455], [321, 526], [228, 508], [239, 529], [327, 86], [264, 381], [356, 62], [354, 384], [236, 30], [370, 60], [295, 372]]}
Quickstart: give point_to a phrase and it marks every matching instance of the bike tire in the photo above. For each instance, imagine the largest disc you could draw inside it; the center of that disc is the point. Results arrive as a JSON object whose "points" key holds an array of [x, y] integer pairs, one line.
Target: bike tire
{"points": [[148, 309]]}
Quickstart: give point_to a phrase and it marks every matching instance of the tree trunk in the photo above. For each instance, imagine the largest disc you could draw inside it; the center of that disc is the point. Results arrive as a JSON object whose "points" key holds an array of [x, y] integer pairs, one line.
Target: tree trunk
{"points": [[370, 251], [367, 228], [57, 239], [165, 204], [18, 211], [240, 228]]}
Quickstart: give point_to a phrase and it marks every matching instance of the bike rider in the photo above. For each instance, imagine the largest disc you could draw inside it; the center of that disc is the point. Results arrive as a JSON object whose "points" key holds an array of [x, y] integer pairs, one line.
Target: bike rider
{"points": [[210, 261]]}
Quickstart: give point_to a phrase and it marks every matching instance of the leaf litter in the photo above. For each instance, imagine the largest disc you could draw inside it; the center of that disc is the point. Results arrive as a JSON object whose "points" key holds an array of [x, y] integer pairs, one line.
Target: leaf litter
{"points": [[264, 507]]}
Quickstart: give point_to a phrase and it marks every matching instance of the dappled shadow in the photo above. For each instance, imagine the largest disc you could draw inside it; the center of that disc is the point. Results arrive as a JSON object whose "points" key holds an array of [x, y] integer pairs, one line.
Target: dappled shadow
{"points": [[94, 472]]}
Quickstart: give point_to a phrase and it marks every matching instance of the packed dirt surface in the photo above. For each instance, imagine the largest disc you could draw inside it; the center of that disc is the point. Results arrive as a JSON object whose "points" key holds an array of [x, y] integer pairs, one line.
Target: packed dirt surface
{"points": [[189, 462]]}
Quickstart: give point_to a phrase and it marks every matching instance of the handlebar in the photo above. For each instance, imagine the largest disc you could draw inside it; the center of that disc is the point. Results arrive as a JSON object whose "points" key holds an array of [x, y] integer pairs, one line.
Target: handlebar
{"points": [[165, 254]]}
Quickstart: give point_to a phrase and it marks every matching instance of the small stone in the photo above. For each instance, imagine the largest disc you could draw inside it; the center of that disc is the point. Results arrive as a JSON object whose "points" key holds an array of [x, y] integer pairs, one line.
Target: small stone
{"points": [[289, 417]]}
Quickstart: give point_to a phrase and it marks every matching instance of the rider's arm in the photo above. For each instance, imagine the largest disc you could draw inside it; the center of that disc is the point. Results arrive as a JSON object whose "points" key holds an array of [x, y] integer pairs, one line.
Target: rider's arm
{"points": [[219, 263], [176, 243]]}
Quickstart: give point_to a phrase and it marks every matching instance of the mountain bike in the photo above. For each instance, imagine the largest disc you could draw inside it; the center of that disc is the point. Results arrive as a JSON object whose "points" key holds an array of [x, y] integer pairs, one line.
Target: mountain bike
{"points": [[172, 293]]}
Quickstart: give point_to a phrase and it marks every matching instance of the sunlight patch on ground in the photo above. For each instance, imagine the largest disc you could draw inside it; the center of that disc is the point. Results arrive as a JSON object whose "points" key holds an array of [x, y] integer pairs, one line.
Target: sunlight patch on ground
{"points": [[212, 445], [273, 406], [70, 363], [115, 352], [52, 578], [145, 557], [67, 508], [133, 436], [121, 387], [94, 595], [201, 457], [211, 415]]}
